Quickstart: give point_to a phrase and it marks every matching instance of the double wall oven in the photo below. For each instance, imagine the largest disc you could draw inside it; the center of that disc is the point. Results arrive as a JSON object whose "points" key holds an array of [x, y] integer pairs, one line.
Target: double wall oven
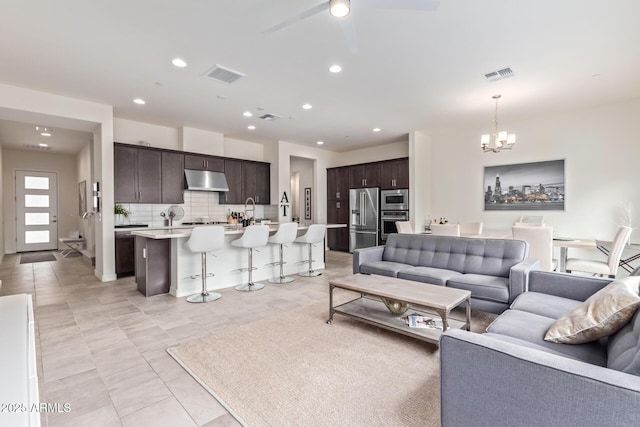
{"points": [[394, 207]]}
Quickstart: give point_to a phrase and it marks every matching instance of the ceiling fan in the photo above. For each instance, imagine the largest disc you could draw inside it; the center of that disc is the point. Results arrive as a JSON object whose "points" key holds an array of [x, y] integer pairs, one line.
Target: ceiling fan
{"points": [[341, 9]]}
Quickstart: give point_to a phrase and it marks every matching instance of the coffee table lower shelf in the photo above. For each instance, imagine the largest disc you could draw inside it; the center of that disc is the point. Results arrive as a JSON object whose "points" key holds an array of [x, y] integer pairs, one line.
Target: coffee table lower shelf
{"points": [[373, 311]]}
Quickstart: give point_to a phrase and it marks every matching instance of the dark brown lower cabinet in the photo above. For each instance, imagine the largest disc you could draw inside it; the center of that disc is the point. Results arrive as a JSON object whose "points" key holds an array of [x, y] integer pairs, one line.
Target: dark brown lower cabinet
{"points": [[153, 265]]}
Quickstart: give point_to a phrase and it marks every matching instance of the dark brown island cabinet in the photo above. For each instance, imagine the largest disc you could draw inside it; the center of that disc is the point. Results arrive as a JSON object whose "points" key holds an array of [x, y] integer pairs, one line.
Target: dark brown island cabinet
{"points": [[153, 265]]}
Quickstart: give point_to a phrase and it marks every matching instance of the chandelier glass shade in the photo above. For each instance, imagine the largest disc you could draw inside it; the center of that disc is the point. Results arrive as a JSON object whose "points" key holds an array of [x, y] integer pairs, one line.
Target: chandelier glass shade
{"points": [[498, 140]]}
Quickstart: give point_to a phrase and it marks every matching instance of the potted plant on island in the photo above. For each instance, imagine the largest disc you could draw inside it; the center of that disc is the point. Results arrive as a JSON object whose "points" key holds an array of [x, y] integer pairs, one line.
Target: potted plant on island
{"points": [[121, 213]]}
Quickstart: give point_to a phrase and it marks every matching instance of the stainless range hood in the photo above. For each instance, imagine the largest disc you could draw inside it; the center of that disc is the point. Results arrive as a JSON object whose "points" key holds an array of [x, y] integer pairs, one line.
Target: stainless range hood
{"points": [[205, 180]]}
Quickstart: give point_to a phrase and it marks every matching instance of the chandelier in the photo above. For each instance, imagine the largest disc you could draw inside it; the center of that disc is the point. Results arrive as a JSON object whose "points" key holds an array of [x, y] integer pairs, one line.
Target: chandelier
{"points": [[501, 140]]}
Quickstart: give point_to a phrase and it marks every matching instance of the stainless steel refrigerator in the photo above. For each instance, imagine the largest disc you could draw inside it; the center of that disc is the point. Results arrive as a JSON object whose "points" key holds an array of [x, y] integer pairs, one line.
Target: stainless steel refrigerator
{"points": [[363, 219]]}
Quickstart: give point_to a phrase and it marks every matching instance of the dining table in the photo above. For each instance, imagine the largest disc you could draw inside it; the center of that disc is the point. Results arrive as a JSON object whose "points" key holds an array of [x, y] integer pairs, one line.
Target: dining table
{"points": [[564, 243]]}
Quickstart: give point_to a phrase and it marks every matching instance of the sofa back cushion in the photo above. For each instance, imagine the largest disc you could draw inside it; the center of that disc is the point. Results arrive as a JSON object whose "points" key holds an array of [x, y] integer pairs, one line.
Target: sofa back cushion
{"points": [[493, 257], [623, 347]]}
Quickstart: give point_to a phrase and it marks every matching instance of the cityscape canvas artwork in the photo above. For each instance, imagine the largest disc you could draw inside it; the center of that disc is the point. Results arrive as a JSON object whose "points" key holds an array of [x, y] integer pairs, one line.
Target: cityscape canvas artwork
{"points": [[524, 186]]}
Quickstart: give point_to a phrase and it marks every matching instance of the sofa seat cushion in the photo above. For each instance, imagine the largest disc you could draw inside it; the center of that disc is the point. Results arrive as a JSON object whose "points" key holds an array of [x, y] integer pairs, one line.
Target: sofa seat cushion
{"points": [[532, 328], [490, 288], [544, 304], [434, 276], [623, 347], [383, 268]]}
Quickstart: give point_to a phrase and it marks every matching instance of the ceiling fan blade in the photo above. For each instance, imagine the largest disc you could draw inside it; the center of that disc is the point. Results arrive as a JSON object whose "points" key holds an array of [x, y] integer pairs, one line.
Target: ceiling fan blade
{"points": [[299, 17], [403, 4], [349, 30]]}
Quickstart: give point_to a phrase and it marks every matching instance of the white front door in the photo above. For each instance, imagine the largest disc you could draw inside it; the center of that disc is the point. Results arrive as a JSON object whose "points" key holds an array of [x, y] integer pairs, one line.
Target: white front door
{"points": [[36, 211]]}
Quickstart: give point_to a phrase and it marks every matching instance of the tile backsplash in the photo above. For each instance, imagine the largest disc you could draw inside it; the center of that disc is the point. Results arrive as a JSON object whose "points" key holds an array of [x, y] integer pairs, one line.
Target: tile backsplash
{"points": [[197, 204]]}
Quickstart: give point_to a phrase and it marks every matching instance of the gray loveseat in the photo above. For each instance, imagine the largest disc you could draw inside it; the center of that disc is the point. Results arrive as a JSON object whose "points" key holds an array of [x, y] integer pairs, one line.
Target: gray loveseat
{"points": [[494, 270], [510, 376]]}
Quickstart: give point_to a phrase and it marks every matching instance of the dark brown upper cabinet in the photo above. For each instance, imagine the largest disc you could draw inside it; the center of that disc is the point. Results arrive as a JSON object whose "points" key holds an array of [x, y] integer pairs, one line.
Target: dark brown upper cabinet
{"points": [[395, 174], [137, 174], [233, 173], [365, 176], [204, 163], [172, 177]]}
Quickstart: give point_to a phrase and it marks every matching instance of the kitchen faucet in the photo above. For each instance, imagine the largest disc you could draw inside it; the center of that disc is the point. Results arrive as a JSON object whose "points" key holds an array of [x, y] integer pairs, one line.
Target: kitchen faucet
{"points": [[252, 210]]}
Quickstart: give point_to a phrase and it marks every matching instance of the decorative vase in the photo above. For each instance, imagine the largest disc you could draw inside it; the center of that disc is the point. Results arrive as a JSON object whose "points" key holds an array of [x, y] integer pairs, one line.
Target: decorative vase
{"points": [[119, 220], [397, 308]]}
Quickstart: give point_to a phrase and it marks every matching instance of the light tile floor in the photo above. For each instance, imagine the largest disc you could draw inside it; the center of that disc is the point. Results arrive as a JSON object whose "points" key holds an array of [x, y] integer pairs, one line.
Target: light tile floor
{"points": [[101, 347]]}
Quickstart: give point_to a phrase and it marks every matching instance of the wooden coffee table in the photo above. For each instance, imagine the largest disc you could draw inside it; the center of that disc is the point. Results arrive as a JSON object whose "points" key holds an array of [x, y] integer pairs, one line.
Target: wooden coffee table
{"points": [[424, 299]]}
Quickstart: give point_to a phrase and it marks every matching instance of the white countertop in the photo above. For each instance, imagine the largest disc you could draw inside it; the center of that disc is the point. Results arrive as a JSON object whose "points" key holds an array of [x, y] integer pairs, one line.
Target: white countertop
{"points": [[179, 231]]}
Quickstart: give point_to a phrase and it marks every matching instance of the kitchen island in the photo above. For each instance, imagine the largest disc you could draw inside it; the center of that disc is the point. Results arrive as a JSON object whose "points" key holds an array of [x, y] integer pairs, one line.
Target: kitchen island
{"points": [[162, 263]]}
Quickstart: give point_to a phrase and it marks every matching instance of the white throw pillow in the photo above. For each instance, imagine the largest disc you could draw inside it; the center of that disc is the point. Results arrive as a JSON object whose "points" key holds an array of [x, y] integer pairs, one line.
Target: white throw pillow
{"points": [[601, 315]]}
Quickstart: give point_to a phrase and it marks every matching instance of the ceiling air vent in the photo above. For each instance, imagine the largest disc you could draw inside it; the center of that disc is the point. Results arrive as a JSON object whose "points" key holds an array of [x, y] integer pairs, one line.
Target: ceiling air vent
{"points": [[269, 117], [224, 74], [494, 76]]}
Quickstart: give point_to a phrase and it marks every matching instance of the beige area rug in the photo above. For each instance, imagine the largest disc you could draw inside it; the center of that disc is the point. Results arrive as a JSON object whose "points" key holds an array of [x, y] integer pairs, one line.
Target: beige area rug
{"points": [[292, 369]]}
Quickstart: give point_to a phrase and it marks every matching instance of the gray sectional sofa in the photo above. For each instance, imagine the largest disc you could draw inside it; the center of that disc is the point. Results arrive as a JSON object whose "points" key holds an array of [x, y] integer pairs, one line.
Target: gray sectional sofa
{"points": [[511, 376], [494, 270]]}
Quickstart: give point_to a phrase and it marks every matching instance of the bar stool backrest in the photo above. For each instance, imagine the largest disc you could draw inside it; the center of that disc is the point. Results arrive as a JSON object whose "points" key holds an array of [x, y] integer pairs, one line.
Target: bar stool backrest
{"points": [[314, 234], [254, 236], [205, 239], [286, 233]]}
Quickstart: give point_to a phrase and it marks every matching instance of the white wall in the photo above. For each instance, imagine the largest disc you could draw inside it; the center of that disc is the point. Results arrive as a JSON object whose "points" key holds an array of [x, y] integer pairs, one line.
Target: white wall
{"points": [[83, 167], [320, 160], [304, 169], [65, 168], [601, 149], [241, 149], [97, 118], [420, 180], [393, 150], [2, 249], [132, 132]]}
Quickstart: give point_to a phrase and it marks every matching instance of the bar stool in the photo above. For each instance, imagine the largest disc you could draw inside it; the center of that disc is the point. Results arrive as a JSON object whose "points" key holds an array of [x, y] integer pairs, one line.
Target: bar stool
{"points": [[203, 240], [286, 234], [314, 234], [255, 236]]}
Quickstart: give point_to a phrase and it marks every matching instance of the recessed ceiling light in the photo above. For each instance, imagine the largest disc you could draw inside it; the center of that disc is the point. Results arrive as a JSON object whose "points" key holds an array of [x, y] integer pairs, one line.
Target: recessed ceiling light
{"points": [[247, 114], [45, 133], [251, 127], [307, 106], [335, 68], [320, 142], [139, 101], [376, 129], [42, 144], [178, 62]]}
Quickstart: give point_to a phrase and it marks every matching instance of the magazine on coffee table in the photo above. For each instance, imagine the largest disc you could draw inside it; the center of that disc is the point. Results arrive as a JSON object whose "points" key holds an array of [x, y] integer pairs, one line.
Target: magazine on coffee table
{"points": [[420, 321]]}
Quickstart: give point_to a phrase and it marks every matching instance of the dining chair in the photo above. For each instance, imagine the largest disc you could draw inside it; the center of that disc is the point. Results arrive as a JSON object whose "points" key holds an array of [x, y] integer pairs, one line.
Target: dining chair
{"points": [[470, 228], [529, 224], [404, 227], [603, 268], [445, 230], [531, 219], [540, 240]]}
